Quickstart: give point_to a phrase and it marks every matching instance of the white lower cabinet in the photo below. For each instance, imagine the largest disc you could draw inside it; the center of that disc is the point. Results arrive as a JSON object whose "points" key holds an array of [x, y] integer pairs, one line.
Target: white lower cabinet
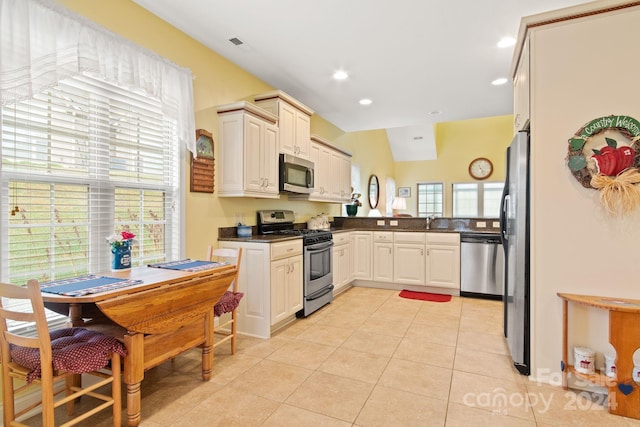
{"points": [[271, 280], [383, 256], [362, 254], [409, 258], [254, 311], [426, 259], [286, 280], [443, 260], [342, 270]]}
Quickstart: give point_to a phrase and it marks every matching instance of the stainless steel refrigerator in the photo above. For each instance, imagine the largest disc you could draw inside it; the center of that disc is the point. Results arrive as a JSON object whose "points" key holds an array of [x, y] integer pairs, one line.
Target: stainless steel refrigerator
{"points": [[514, 224]]}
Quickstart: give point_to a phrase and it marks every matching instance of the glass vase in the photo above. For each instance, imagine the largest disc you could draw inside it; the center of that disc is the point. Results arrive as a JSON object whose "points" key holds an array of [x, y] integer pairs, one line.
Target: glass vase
{"points": [[121, 259]]}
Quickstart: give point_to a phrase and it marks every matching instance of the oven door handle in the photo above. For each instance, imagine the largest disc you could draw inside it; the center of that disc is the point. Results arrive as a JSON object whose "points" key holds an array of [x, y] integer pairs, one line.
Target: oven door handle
{"points": [[319, 246], [322, 292]]}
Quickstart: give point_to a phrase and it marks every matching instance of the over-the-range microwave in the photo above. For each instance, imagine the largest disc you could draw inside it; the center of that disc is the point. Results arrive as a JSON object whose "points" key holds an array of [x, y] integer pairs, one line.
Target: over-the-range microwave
{"points": [[296, 174]]}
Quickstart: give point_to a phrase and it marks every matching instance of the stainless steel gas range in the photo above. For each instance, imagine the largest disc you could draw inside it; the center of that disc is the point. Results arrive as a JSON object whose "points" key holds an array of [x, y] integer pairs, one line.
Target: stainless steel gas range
{"points": [[317, 256]]}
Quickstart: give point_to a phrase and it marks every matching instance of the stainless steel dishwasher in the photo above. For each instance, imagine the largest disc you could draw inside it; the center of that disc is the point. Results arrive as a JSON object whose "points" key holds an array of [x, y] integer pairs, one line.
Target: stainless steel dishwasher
{"points": [[482, 261]]}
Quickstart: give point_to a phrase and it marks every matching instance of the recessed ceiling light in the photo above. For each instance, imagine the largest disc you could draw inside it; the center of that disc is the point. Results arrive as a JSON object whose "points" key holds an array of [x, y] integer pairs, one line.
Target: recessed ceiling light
{"points": [[506, 42], [500, 81], [435, 112], [340, 75], [365, 101]]}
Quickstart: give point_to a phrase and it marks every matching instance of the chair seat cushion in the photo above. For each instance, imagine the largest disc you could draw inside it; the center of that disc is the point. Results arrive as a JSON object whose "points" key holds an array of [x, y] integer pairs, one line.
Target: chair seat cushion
{"points": [[75, 350], [228, 303]]}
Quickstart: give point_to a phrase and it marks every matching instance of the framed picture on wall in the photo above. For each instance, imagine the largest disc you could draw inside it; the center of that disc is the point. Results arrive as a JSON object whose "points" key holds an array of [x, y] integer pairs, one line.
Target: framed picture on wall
{"points": [[404, 191]]}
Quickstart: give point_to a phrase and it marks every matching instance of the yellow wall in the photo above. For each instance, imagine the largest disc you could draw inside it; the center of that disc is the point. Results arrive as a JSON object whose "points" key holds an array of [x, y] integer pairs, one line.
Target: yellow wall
{"points": [[457, 143], [216, 82]]}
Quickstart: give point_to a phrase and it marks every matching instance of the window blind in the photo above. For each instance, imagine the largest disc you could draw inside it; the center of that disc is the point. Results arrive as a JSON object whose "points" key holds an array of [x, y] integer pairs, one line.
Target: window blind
{"points": [[80, 161]]}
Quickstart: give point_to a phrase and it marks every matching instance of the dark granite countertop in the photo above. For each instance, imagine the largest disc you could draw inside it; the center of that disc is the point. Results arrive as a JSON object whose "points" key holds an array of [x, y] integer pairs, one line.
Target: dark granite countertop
{"points": [[346, 224]]}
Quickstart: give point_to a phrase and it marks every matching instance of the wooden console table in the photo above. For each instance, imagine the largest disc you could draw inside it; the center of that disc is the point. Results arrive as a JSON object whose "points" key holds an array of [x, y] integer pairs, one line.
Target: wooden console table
{"points": [[167, 314], [624, 336]]}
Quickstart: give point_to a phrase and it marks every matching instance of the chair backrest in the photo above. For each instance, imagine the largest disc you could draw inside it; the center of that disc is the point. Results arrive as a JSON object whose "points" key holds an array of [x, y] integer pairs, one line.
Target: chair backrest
{"points": [[230, 255], [31, 293]]}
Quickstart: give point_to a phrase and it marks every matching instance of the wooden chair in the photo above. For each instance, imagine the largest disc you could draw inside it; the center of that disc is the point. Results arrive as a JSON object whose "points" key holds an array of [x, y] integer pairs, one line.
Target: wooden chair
{"points": [[49, 357], [231, 299]]}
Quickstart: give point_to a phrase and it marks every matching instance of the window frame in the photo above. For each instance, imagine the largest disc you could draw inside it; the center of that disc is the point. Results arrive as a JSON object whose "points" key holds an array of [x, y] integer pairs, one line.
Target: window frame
{"points": [[480, 202], [101, 184], [421, 214]]}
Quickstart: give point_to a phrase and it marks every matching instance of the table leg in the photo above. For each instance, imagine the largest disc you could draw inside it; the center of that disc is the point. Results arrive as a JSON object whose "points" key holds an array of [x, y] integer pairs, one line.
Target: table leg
{"points": [[565, 355], [75, 314], [133, 375], [207, 348]]}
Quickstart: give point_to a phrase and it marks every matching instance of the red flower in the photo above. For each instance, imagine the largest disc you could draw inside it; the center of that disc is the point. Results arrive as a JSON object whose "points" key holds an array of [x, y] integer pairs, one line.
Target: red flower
{"points": [[127, 236]]}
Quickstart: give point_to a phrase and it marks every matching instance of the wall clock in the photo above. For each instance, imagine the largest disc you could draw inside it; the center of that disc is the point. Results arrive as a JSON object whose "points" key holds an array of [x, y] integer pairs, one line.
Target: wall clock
{"points": [[480, 168]]}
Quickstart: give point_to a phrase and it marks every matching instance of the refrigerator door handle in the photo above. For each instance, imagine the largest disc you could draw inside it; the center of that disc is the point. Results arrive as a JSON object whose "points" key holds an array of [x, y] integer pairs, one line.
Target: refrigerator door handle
{"points": [[504, 208]]}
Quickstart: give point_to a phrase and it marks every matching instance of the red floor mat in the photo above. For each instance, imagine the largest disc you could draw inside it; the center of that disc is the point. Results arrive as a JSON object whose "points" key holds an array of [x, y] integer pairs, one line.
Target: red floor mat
{"points": [[425, 296]]}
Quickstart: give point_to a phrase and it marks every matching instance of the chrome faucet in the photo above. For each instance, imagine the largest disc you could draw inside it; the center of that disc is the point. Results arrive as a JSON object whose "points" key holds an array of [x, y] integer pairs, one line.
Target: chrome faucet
{"points": [[429, 219]]}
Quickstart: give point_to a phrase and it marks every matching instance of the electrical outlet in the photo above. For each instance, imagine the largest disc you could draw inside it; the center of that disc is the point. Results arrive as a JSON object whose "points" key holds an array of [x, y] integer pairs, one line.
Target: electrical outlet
{"points": [[481, 224], [393, 223], [496, 224], [380, 222]]}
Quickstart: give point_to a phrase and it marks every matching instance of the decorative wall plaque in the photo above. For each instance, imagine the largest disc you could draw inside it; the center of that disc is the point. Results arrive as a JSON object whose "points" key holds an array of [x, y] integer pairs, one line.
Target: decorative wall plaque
{"points": [[203, 166]]}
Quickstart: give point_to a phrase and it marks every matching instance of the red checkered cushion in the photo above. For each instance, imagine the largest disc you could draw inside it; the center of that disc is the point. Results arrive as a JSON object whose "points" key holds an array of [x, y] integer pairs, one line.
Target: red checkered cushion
{"points": [[228, 303], [75, 350]]}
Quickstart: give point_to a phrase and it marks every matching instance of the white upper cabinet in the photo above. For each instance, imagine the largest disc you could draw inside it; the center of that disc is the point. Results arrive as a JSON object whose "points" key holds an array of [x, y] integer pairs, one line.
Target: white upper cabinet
{"points": [[332, 173], [248, 153], [521, 90], [294, 122]]}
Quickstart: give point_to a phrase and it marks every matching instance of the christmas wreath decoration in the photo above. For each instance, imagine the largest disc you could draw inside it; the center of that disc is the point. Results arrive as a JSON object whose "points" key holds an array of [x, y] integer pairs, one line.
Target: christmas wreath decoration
{"points": [[605, 155]]}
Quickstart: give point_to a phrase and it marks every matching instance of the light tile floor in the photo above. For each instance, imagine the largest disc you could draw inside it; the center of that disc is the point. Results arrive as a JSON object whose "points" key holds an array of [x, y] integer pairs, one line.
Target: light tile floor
{"points": [[370, 358]]}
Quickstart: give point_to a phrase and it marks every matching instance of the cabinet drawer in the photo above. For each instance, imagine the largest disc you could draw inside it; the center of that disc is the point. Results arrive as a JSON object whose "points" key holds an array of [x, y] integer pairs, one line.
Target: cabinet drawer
{"points": [[443, 238], [340, 238], [383, 236], [402, 237], [286, 249]]}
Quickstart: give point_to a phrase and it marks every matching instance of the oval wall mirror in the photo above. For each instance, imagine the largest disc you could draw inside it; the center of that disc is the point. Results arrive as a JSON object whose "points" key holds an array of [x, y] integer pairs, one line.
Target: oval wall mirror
{"points": [[374, 191]]}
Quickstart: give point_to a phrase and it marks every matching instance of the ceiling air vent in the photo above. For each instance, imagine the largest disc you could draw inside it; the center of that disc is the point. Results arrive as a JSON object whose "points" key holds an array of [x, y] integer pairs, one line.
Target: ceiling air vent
{"points": [[236, 41]]}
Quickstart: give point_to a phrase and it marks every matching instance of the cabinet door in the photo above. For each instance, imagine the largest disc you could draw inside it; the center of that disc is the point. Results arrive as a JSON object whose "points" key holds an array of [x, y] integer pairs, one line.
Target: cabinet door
{"points": [[253, 154], [338, 253], [294, 285], [521, 90], [443, 266], [287, 125], [341, 267], [383, 262], [254, 314], [345, 178], [322, 172], [362, 255], [269, 159], [335, 161], [303, 134], [314, 156], [279, 275], [409, 264]]}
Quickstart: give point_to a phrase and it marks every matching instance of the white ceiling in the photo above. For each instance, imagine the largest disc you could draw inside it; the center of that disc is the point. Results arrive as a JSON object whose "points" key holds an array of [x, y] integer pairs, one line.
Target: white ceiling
{"points": [[410, 57]]}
